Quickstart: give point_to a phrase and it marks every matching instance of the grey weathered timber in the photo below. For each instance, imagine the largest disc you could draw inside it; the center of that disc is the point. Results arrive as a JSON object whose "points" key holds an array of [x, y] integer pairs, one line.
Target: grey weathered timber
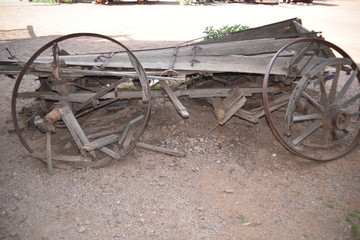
{"points": [[78, 134], [177, 104], [124, 134], [101, 142], [48, 152], [116, 130], [131, 94], [226, 108], [63, 158], [161, 149]]}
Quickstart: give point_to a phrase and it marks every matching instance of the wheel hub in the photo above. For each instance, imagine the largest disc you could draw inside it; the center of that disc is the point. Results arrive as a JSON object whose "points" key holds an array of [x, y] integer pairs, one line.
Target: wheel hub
{"points": [[335, 117]]}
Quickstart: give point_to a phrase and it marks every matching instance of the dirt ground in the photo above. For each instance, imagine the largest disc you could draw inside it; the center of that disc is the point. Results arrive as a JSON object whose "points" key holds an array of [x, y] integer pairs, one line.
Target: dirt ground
{"points": [[237, 182]]}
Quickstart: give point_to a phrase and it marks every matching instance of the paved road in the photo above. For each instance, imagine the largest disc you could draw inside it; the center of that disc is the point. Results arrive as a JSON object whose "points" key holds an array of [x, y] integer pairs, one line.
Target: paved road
{"points": [[339, 20]]}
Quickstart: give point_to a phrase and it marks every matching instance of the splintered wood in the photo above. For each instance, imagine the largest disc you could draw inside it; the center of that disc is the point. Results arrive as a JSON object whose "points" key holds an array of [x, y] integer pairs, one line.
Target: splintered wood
{"points": [[225, 109]]}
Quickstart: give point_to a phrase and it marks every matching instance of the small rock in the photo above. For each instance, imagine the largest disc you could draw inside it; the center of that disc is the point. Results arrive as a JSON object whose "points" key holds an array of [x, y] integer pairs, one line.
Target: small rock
{"points": [[191, 134], [161, 184], [197, 148], [87, 222], [14, 208], [218, 161], [274, 155], [142, 220], [222, 138], [200, 209], [183, 139], [18, 197], [118, 202], [229, 190], [196, 169], [81, 229]]}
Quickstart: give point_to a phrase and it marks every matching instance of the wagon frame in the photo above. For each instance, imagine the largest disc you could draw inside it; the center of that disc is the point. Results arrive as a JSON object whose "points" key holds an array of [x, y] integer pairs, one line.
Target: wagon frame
{"points": [[310, 95]]}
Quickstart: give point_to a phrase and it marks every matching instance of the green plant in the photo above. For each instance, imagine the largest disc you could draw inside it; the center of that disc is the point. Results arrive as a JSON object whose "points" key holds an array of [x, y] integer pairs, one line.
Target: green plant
{"points": [[330, 204], [242, 217], [213, 33], [354, 219]]}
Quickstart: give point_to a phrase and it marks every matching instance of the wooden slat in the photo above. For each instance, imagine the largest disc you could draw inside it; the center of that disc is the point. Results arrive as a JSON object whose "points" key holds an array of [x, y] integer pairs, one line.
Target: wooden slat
{"points": [[101, 142], [177, 104], [231, 104], [78, 134], [161, 149], [128, 94]]}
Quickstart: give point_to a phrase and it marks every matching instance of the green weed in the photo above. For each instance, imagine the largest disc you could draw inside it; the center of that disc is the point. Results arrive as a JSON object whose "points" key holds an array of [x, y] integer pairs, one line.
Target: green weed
{"points": [[243, 219], [213, 33], [353, 218]]}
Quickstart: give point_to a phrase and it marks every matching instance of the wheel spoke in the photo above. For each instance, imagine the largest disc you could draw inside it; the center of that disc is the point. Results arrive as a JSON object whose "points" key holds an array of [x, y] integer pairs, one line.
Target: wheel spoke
{"points": [[334, 85], [324, 97], [346, 86], [313, 127], [308, 117], [349, 101], [354, 114], [312, 101]]}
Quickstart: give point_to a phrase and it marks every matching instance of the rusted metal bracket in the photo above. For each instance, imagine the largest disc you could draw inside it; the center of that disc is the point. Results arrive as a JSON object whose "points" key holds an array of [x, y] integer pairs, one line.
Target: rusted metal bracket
{"points": [[105, 58], [173, 59], [193, 60]]}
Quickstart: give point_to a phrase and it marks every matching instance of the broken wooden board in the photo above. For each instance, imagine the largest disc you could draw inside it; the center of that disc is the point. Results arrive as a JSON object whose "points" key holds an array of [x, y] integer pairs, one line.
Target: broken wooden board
{"points": [[78, 134], [177, 104], [101, 142], [161, 149], [130, 94], [226, 108]]}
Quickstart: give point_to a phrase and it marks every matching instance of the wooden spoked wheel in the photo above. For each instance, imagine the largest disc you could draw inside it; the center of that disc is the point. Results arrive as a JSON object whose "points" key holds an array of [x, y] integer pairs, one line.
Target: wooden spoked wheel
{"points": [[60, 80], [321, 119]]}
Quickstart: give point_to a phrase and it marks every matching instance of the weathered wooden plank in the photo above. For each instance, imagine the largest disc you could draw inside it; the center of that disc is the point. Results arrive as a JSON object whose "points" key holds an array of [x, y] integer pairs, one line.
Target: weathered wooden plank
{"points": [[248, 116], [63, 158], [109, 118], [129, 94], [48, 152], [129, 137], [117, 130], [72, 125], [161, 149], [124, 134], [232, 103], [101, 142], [78, 134], [177, 104]]}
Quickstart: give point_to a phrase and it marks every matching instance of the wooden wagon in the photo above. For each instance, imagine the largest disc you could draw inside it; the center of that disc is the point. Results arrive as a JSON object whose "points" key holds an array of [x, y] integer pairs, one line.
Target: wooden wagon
{"points": [[308, 89]]}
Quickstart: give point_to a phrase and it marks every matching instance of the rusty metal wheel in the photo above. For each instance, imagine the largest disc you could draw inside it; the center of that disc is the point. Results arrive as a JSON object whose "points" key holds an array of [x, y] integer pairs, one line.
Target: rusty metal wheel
{"points": [[45, 89], [319, 117]]}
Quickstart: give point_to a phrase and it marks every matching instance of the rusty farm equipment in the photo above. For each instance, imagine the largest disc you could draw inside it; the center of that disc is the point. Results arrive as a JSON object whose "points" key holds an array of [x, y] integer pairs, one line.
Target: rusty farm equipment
{"points": [[309, 88]]}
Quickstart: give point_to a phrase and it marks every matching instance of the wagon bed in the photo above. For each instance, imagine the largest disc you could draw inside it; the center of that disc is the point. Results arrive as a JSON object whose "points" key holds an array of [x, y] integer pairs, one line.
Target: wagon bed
{"points": [[309, 87]]}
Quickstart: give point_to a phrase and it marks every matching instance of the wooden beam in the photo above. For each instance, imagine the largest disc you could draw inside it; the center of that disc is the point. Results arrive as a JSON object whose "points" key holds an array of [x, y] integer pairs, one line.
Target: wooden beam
{"points": [[101, 142], [161, 149], [177, 104], [78, 134]]}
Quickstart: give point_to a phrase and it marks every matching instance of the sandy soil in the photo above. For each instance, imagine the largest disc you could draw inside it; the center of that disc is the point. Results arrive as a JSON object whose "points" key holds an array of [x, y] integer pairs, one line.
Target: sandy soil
{"points": [[235, 183]]}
